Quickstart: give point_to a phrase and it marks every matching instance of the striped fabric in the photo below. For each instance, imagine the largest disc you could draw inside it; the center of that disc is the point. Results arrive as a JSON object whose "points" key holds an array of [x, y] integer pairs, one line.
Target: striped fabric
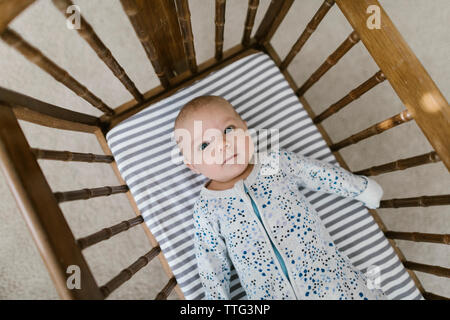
{"points": [[165, 190]]}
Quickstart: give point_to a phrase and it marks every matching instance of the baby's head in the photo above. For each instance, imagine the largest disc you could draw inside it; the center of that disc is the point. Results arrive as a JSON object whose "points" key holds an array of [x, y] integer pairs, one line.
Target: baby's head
{"points": [[209, 132]]}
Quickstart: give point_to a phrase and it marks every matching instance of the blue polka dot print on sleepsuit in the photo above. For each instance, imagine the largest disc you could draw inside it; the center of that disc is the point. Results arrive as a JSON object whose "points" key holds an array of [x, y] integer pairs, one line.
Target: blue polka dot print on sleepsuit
{"points": [[228, 232]]}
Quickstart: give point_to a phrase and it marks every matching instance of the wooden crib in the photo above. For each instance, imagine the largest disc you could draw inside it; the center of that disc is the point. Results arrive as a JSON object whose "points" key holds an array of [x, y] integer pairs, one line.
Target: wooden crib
{"points": [[164, 30]]}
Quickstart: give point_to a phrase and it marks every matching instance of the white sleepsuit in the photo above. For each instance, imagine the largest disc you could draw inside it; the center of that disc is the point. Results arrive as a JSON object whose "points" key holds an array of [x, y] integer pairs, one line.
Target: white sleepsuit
{"points": [[264, 225]]}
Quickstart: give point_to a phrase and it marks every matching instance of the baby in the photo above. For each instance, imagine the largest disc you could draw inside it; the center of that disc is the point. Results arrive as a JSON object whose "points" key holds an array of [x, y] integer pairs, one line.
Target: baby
{"points": [[252, 215]]}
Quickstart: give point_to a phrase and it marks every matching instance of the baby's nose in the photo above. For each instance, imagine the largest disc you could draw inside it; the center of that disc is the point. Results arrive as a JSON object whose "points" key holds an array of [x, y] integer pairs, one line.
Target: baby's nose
{"points": [[226, 144]]}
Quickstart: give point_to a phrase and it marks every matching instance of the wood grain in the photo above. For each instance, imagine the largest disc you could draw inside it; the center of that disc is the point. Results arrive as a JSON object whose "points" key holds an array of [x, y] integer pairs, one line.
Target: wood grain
{"points": [[400, 164], [184, 19], [272, 19], [220, 24], [40, 210], [87, 33], [306, 34], [136, 15], [405, 73], [35, 56], [249, 21], [42, 113], [9, 9]]}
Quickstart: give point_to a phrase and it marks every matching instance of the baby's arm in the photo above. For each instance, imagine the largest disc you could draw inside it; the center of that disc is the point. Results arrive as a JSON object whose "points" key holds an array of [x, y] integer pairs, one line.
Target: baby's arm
{"points": [[214, 265], [323, 176]]}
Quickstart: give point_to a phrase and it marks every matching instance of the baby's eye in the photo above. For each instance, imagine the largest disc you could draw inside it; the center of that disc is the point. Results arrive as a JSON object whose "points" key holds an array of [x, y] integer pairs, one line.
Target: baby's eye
{"points": [[203, 145], [232, 127]]}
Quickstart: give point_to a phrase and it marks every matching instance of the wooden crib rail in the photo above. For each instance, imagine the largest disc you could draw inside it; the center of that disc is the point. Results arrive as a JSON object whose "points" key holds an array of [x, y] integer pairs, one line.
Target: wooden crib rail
{"points": [[401, 164], [373, 130], [164, 29], [39, 205], [423, 201], [135, 15], [88, 33], [42, 113], [231, 55], [184, 20], [164, 294], [419, 237], [220, 26], [153, 242], [436, 270], [334, 58], [249, 21], [107, 233], [391, 235], [405, 73], [9, 9], [310, 28], [272, 19], [85, 194], [127, 273], [40, 210], [71, 156], [35, 56], [356, 93]]}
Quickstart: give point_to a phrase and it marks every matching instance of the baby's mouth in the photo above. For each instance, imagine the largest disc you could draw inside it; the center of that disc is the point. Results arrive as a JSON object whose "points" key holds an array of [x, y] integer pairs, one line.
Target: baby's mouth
{"points": [[229, 159]]}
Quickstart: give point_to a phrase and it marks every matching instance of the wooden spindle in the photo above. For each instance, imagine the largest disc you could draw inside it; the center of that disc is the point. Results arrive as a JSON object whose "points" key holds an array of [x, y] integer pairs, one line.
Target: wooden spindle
{"points": [[35, 56], [351, 40], [9, 9], [436, 270], [419, 237], [70, 156], [107, 233], [309, 30], [272, 19], [249, 21], [42, 214], [424, 201], [184, 18], [432, 296], [85, 194], [165, 292], [45, 114], [127, 273], [407, 76], [220, 23], [378, 128], [131, 9], [401, 164], [87, 33], [353, 95]]}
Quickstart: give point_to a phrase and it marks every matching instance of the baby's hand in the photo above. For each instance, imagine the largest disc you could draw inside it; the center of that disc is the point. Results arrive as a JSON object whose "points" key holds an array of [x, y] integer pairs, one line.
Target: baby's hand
{"points": [[372, 195]]}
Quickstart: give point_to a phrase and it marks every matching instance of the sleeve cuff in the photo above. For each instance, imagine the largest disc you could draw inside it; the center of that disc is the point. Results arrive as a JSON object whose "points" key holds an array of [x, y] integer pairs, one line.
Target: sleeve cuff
{"points": [[371, 196]]}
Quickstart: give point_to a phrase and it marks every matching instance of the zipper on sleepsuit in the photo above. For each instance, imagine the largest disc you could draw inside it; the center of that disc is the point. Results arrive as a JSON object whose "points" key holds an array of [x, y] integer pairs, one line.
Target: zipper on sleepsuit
{"points": [[272, 243]]}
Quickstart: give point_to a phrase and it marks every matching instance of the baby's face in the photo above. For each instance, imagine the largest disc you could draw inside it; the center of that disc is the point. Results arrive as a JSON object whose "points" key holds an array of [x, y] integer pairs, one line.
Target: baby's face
{"points": [[215, 143]]}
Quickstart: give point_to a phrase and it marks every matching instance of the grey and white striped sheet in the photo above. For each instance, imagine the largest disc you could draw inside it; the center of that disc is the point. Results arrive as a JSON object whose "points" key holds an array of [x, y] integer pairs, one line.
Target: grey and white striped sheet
{"points": [[165, 190]]}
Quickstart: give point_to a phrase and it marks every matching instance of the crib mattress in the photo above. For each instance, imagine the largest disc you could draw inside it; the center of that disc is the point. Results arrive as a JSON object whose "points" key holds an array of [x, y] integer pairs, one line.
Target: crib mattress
{"points": [[165, 190]]}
